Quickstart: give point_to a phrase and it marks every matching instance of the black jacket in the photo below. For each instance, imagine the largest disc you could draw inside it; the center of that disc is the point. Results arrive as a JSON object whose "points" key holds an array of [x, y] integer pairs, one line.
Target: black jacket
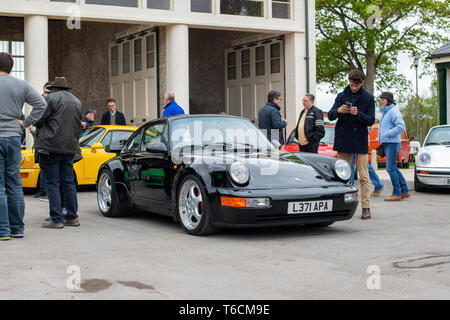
{"points": [[351, 131], [269, 118], [314, 125], [120, 119], [60, 127]]}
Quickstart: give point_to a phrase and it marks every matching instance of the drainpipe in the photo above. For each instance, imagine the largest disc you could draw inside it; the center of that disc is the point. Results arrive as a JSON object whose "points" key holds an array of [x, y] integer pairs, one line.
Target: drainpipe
{"points": [[307, 58], [157, 74]]}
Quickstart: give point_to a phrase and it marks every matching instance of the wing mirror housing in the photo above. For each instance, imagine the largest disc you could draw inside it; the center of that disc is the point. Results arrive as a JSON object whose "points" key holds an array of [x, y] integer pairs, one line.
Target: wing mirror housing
{"points": [[157, 147], [96, 146]]}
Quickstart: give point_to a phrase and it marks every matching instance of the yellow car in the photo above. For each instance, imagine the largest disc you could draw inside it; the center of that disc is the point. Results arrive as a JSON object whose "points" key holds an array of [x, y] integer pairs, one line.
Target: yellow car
{"points": [[92, 144]]}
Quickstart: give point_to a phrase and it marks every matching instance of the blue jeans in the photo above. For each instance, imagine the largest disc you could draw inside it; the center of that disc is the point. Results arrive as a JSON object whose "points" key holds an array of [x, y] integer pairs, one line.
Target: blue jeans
{"points": [[12, 204], [58, 171], [398, 181], [375, 179], [42, 186], [372, 173]]}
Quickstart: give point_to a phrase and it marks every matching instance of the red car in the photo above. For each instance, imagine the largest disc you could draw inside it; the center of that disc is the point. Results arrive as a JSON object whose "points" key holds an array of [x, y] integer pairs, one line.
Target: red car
{"points": [[325, 147]]}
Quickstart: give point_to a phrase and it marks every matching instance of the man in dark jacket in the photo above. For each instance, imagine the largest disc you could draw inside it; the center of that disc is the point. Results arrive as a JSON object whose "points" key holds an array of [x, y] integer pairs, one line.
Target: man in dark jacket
{"points": [[112, 116], [355, 110], [269, 117], [57, 144], [310, 126]]}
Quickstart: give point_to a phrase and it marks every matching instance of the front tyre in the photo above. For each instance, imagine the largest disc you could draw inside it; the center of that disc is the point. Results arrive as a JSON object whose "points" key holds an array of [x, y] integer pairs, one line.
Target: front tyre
{"points": [[193, 208], [107, 199]]}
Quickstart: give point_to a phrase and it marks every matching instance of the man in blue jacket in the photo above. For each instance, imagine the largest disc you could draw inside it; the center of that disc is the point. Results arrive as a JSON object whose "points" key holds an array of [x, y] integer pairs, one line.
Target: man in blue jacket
{"points": [[171, 108], [113, 117], [355, 110], [269, 117]]}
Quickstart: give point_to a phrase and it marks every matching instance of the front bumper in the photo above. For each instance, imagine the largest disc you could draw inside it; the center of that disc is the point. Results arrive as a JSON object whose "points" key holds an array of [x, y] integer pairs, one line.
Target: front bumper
{"points": [[277, 214], [29, 177], [434, 177]]}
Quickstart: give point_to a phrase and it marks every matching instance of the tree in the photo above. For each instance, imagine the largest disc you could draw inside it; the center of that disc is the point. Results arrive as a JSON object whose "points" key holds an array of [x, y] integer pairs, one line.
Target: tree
{"points": [[369, 35], [428, 113]]}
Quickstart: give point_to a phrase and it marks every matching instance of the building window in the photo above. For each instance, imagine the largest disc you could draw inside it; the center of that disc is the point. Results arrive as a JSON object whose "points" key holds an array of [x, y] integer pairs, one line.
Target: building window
{"points": [[121, 3], [254, 8], [126, 58], [158, 4], [17, 50], [232, 66], [137, 55], [245, 64], [260, 63], [115, 61], [201, 6], [150, 45], [275, 58], [281, 9]]}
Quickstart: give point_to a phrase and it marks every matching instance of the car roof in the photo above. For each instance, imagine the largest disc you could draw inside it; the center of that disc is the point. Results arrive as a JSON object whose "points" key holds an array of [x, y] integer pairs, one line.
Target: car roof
{"points": [[116, 127]]}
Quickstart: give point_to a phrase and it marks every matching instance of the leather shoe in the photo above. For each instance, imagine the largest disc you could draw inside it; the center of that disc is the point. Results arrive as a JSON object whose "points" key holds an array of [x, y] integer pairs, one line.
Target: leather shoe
{"points": [[366, 214], [405, 195], [393, 198], [376, 192]]}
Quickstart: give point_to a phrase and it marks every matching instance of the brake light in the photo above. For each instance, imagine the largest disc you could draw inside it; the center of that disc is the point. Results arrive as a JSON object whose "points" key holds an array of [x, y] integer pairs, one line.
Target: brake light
{"points": [[424, 172], [24, 175]]}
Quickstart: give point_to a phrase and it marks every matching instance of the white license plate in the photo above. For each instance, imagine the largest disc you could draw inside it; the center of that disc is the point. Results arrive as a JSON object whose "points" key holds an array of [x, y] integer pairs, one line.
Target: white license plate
{"points": [[310, 207]]}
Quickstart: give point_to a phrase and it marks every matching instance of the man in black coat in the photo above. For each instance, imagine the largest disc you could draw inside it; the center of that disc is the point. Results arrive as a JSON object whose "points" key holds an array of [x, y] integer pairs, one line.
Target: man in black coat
{"points": [[269, 117], [57, 144], [310, 126], [355, 110], [112, 116]]}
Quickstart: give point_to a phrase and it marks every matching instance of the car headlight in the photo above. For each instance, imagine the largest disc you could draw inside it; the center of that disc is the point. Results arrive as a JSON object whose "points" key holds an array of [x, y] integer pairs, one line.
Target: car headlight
{"points": [[424, 159], [239, 172], [342, 169]]}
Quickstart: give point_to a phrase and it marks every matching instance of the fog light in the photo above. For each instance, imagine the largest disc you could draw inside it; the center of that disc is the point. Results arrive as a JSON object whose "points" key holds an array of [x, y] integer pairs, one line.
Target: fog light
{"points": [[244, 202], [350, 197], [258, 203]]}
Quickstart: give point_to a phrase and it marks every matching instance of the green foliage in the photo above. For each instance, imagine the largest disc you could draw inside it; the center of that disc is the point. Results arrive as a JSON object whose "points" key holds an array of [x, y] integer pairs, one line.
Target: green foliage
{"points": [[369, 35], [428, 111]]}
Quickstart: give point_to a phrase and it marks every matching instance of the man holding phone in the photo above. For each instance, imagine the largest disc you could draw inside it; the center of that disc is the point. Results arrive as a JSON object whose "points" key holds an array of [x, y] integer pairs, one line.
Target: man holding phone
{"points": [[354, 109]]}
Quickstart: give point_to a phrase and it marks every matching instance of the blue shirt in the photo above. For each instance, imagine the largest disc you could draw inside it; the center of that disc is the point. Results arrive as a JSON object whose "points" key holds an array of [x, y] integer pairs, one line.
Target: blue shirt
{"points": [[172, 109]]}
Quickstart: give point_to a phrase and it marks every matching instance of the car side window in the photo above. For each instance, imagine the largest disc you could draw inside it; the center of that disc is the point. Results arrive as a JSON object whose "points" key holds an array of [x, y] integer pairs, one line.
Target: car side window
{"points": [[154, 133], [133, 144], [115, 139]]}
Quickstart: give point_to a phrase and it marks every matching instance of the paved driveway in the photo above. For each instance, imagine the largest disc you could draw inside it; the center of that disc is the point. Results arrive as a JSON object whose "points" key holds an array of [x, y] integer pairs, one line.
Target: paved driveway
{"points": [[150, 257]]}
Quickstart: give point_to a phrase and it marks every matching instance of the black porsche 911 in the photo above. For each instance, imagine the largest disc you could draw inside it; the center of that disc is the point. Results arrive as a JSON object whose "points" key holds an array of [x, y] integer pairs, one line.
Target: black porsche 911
{"points": [[214, 171]]}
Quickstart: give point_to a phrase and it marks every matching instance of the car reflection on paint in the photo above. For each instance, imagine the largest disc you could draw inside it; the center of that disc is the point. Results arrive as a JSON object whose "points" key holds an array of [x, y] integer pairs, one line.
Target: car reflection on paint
{"points": [[210, 171]]}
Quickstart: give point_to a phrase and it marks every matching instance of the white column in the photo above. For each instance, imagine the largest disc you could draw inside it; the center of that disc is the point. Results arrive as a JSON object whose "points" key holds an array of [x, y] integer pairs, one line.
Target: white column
{"points": [[36, 57], [295, 76], [177, 64]]}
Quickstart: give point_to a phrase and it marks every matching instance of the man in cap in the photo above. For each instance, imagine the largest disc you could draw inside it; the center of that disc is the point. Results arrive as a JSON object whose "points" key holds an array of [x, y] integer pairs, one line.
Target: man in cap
{"points": [[57, 144], [89, 120]]}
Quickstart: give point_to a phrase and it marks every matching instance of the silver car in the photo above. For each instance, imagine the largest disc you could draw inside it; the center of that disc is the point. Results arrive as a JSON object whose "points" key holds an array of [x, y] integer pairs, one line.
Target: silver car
{"points": [[433, 160]]}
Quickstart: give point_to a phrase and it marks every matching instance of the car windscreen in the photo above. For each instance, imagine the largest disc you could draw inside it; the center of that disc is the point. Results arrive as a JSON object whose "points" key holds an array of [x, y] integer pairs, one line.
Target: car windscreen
{"points": [[217, 132], [438, 136], [115, 139], [92, 137]]}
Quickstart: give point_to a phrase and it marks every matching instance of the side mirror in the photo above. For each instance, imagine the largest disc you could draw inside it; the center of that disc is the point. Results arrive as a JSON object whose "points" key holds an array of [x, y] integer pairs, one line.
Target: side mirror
{"points": [[96, 146], [276, 143], [157, 147]]}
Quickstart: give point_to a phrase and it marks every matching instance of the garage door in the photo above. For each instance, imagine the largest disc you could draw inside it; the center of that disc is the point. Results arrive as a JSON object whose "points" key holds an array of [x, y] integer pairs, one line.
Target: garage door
{"points": [[133, 81], [251, 71]]}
